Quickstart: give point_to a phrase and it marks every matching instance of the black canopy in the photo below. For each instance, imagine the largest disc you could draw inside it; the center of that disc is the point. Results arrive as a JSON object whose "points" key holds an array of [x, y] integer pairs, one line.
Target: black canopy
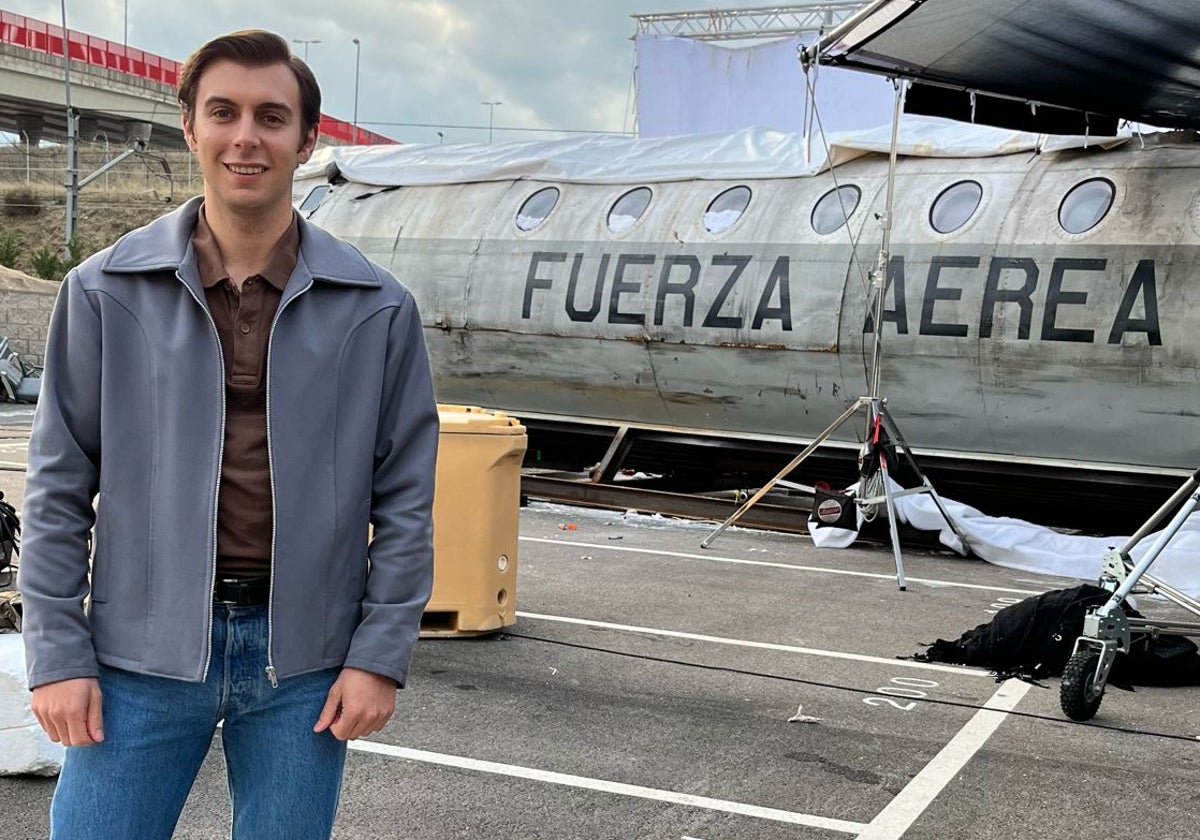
{"points": [[1083, 64]]}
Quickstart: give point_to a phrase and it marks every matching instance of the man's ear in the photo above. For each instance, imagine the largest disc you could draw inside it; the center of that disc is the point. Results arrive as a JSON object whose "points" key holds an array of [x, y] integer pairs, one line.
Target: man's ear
{"points": [[306, 147], [189, 134]]}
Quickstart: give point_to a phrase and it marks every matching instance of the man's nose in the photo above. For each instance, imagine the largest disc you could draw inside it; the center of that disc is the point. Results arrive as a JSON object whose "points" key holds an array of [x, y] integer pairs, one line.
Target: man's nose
{"points": [[247, 131]]}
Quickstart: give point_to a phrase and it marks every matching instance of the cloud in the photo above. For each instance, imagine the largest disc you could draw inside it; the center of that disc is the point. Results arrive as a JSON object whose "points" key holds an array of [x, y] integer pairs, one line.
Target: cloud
{"points": [[554, 64]]}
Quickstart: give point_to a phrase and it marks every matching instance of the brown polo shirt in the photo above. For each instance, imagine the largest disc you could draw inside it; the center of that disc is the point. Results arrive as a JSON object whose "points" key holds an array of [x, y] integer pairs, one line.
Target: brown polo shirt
{"points": [[243, 319]]}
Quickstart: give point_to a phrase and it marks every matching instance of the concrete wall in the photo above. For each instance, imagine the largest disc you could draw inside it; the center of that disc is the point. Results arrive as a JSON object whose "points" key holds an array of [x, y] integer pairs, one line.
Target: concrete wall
{"points": [[25, 305]]}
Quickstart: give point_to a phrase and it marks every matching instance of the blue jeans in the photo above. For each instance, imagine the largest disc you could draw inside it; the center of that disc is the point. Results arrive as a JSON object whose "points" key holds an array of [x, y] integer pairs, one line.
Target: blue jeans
{"points": [[284, 779]]}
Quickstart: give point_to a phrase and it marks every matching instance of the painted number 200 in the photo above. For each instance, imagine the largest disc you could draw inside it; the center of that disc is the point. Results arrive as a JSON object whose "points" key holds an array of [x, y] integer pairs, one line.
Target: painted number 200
{"points": [[907, 687]]}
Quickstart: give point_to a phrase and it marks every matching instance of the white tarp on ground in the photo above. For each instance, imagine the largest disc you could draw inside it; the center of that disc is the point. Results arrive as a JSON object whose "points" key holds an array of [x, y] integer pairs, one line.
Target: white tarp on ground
{"points": [[685, 86], [603, 159], [1017, 544], [24, 747]]}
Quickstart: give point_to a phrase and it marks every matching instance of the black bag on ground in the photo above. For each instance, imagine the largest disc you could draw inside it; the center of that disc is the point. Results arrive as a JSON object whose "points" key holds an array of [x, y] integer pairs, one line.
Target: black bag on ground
{"points": [[10, 536], [1035, 637], [1166, 661]]}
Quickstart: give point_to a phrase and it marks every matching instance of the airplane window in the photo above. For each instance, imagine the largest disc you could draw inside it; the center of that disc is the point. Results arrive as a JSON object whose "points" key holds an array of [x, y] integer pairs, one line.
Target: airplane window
{"points": [[1085, 205], [726, 209], [955, 206], [628, 209], [834, 208], [313, 200], [536, 208]]}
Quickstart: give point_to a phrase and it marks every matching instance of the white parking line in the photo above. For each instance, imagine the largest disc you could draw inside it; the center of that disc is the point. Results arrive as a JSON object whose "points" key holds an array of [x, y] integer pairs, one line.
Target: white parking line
{"points": [[774, 565], [899, 815], [604, 786], [722, 640]]}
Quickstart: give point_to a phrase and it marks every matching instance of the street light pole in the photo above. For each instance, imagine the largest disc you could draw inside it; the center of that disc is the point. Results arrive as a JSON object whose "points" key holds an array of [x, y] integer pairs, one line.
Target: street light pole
{"points": [[304, 41], [491, 114], [357, 57], [126, 41], [72, 144]]}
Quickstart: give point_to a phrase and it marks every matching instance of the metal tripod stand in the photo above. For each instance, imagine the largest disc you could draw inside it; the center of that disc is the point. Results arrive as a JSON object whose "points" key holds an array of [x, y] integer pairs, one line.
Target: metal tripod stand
{"points": [[879, 419]]}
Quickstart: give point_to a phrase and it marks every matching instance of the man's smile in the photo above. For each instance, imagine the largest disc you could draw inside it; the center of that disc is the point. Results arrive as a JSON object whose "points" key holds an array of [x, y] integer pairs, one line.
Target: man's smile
{"points": [[245, 169]]}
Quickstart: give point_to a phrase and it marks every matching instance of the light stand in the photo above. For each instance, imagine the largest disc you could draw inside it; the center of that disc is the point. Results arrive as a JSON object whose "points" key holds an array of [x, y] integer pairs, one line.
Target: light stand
{"points": [[881, 426]]}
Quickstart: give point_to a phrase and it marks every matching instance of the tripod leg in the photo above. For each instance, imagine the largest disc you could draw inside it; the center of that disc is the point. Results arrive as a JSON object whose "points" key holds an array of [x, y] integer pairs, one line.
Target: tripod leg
{"points": [[898, 436], [891, 512], [766, 488]]}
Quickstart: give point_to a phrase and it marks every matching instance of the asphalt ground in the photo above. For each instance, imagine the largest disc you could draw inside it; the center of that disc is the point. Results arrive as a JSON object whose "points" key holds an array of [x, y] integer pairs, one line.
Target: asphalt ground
{"points": [[648, 690]]}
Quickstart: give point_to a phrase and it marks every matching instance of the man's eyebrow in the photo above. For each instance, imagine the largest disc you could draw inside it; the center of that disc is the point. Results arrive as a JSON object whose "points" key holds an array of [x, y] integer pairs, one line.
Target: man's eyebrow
{"points": [[261, 106]]}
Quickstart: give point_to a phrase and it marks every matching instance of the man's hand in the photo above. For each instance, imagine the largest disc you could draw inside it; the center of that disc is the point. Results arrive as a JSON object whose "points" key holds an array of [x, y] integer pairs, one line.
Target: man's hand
{"points": [[69, 711], [359, 703]]}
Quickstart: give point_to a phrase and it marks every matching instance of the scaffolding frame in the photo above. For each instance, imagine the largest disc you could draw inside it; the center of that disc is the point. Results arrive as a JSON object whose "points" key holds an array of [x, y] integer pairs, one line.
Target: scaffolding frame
{"points": [[749, 23]]}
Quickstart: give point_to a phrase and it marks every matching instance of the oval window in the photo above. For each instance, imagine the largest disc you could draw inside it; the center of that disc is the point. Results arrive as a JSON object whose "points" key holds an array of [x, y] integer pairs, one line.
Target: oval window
{"points": [[1086, 204], [835, 208], [627, 209], [955, 206], [726, 209], [313, 200], [536, 208]]}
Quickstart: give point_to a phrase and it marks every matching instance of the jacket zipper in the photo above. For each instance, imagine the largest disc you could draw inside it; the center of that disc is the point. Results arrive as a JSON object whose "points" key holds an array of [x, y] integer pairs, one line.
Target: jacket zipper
{"points": [[270, 669], [212, 569]]}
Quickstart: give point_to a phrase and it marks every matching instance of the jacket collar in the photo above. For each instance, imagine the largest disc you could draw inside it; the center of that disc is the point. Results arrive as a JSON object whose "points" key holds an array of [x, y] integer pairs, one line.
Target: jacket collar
{"points": [[166, 245]]}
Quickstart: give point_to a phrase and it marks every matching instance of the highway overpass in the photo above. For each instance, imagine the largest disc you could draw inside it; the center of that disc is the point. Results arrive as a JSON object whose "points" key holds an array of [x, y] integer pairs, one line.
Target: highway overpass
{"points": [[121, 94]]}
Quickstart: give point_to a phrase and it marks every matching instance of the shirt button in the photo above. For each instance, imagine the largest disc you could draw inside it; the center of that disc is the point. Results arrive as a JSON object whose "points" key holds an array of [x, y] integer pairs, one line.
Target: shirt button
{"points": [[250, 282], [244, 327]]}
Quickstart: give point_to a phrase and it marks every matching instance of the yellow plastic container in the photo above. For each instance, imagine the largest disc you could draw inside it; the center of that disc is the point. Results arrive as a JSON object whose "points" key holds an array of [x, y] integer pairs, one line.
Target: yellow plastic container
{"points": [[475, 522]]}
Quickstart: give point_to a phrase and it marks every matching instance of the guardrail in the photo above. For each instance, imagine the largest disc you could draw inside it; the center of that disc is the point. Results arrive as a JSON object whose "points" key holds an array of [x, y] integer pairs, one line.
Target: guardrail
{"points": [[41, 37]]}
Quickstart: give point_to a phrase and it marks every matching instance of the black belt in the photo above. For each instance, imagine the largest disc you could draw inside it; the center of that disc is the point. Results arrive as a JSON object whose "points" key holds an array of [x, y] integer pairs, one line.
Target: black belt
{"points": [[242, 593]]}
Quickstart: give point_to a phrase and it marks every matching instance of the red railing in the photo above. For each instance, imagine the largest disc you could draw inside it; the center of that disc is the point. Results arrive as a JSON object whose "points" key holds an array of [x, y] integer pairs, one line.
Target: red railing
{"points": [[47, 38], [344, 132]]}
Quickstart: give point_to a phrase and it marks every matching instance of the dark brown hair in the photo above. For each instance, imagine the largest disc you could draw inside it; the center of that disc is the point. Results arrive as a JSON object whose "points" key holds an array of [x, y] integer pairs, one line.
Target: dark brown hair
{"points": [[250, 48]]}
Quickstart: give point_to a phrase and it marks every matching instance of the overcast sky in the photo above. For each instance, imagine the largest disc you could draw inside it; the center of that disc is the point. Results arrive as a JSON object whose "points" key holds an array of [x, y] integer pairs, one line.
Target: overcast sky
{"points": [[554, 64]]}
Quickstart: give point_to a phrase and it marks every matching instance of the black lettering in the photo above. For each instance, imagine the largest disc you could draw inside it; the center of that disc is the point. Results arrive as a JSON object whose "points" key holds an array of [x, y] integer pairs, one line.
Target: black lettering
{"points": [[1056, 297], [532, 281], [899, 315], [621, 286], [712, 319], [783, 312], [1141, 284], [1022, 297], [589, 314], [934, 293], [686, 289]]}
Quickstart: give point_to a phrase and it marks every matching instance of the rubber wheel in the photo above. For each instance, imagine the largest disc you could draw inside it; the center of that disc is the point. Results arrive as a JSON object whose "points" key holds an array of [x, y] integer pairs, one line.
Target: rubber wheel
{"points": [[1078, 694]]}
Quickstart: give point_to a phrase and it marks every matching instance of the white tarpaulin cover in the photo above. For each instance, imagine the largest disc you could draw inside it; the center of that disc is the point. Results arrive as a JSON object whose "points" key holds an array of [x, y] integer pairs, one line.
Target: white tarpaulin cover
{"points": [[24, 747], [601, 159], [685, 86], [1016, 544]]}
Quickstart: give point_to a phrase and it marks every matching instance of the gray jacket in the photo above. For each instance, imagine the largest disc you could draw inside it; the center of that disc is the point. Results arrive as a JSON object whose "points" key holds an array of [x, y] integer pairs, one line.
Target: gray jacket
{"points": [[132, 411]]}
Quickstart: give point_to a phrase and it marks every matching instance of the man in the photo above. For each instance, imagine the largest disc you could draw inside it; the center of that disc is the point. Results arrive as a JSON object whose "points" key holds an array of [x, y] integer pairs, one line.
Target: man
{"points": [[244, 394]]}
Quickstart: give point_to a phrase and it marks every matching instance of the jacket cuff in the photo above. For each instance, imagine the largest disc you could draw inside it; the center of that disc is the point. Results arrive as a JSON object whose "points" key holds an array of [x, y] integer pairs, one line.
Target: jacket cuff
{"points": [[46, 677], [377, 668]]}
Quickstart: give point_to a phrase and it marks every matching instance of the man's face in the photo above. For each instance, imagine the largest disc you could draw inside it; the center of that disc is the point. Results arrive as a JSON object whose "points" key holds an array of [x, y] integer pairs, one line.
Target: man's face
{"points": [[246, 133]]}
